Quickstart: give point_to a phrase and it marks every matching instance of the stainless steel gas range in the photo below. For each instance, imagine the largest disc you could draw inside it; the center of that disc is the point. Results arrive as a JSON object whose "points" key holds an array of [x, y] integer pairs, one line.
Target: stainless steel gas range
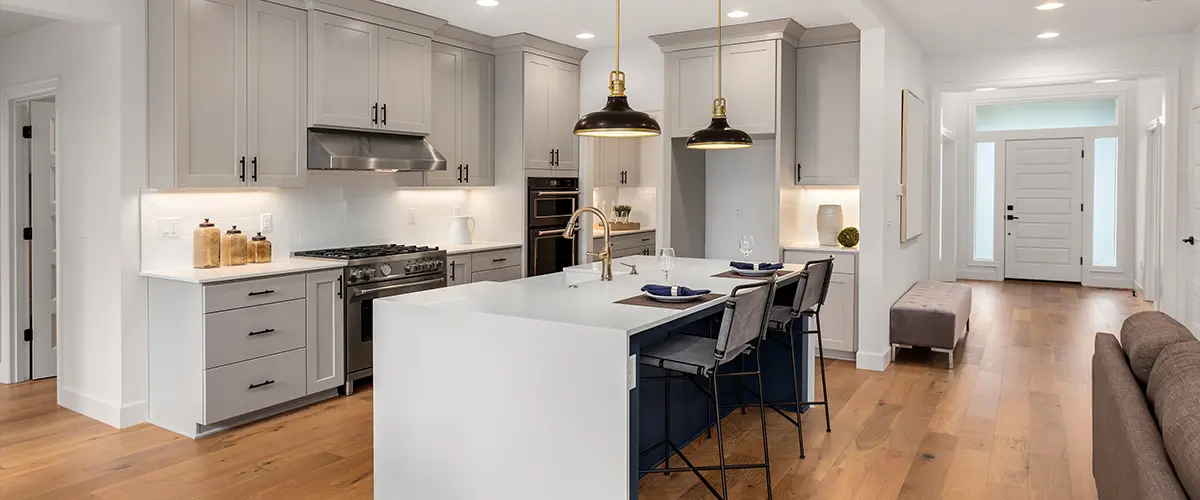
{"points": [[374, 272]]}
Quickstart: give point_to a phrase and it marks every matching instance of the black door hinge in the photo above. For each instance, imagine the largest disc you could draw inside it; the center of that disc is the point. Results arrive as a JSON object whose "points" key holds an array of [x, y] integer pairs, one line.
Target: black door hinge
{"points": [[27, 132], [29, 334], [27, 234]]}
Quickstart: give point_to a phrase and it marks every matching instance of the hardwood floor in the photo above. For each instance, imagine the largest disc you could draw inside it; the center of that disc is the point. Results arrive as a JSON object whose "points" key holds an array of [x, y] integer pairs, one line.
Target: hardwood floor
{"points": [[1012, 421]]}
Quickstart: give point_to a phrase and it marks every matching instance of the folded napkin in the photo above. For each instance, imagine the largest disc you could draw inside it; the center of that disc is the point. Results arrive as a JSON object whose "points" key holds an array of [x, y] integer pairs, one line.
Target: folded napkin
{"points": [[673, 291], [761, 266]]}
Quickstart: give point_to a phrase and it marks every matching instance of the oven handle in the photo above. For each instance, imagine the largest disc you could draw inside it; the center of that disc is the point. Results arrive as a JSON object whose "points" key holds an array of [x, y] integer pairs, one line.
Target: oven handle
{"points": [[359, 292], [557, 193]]}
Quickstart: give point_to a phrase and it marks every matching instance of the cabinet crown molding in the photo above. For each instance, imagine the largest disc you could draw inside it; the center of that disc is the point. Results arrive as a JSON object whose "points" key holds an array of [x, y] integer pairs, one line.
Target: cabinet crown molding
{"points": [[464, 39], [382, 14], [525, 42], [787, 30], [829, 35]]}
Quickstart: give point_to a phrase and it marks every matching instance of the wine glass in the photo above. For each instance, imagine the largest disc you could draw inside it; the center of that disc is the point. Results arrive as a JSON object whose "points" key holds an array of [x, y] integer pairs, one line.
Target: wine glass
{"points": [[666, 262], [746, 244]]}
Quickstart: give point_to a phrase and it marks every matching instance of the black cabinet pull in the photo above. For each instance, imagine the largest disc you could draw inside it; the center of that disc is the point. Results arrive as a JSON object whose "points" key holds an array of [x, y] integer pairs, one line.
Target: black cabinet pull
{"points": [[452, 269], [460, 174], [797, 172], [552, 157], [264, 292], [384, 112], [242, 163], [260, 384], [254, 170], [375, 114], [261, 332], [341, 287], [1013, 217], [467, 174], [499, 260]]}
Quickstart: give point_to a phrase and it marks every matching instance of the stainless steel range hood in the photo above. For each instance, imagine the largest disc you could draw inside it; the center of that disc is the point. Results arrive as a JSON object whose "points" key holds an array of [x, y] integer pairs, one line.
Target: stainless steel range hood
{"points": [[330, 149]]}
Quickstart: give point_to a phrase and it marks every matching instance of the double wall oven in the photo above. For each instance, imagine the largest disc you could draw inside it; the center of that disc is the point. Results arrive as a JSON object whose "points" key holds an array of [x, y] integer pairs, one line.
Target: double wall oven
{"points": [[552, 200]]}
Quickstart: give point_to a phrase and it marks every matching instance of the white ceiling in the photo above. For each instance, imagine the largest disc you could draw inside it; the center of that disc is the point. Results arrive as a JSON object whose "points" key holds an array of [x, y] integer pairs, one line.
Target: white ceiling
{"points": [[12, 23], [947, 26], [561, 20]]}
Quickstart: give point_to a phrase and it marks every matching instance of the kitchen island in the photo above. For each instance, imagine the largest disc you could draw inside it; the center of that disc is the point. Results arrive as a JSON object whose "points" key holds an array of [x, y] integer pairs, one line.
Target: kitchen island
{"points": [[528, 389]]}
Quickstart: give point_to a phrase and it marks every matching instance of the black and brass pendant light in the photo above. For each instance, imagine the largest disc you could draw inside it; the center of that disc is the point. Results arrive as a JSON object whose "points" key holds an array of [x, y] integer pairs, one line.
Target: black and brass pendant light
{"points": [[719, 135], [617, 119]]}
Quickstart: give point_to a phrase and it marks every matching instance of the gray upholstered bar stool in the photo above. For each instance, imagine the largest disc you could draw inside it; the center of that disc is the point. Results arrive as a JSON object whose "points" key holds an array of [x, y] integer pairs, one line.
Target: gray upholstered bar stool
{"points": [[810, 297], [743, 327]]}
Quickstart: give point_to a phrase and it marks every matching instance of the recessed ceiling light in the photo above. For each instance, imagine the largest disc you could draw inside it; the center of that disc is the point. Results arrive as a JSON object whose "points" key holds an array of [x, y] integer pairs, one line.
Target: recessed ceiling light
{"points": [[1048, 34], [1108, 80], [985, 89], [738, 14], [585, 36], [1051, 5], [487, 3]]}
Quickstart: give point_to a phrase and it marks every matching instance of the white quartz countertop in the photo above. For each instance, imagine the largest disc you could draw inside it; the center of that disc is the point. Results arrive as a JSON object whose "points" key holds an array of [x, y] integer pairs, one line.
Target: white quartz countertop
{"points": [[478, 246], [814, 246], [599, 233], [290, 265], [576, 296]]}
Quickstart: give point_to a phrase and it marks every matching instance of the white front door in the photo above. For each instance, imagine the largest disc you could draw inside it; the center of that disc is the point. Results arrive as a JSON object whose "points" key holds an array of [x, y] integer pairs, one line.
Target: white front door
{"points": [[43, 193], [1043, 218]]}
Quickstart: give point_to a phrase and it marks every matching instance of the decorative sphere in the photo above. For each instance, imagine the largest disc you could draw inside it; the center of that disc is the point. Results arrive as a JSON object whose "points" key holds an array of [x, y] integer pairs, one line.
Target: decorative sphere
{"points": [[848, 237]]}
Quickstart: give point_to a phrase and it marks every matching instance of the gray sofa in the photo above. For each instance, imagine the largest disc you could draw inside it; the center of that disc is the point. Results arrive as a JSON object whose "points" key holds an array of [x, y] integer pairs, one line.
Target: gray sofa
{"points": [[1146, 411]]}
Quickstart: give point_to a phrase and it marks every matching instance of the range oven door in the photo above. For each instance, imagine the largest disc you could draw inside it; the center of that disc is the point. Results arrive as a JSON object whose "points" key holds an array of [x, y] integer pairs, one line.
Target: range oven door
{"points": [[549, 252], [360, 316], [552, 208]]}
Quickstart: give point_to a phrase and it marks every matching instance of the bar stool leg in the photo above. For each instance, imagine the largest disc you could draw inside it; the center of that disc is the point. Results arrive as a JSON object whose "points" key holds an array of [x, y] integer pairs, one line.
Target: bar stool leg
{"points": [[720, 438], [667, 423], [742, 386], [821, 352], [762, 415], [795, 385]]}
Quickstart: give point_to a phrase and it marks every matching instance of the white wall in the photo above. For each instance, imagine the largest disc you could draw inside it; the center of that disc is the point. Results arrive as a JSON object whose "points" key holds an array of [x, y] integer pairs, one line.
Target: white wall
{"points": [[102, 130], [645, 71], [739, 187], [335, 210]]}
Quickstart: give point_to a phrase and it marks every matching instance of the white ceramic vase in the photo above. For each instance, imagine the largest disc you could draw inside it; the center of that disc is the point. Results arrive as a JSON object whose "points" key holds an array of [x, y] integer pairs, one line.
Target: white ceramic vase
{"points": [[829, 224]]}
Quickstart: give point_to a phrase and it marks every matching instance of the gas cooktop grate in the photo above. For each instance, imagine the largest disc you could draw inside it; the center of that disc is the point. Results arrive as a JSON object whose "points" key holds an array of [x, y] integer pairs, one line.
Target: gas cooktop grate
{"points": [[364, 252]]}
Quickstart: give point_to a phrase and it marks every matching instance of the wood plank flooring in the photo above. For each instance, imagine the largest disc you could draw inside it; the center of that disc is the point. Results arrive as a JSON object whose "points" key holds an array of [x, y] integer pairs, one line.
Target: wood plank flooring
{"points": [[1012, 421]]}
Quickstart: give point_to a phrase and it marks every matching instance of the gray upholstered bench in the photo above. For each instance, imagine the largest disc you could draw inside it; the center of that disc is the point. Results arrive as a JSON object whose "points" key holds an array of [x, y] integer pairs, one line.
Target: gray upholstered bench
{"points": [[932, 314]]}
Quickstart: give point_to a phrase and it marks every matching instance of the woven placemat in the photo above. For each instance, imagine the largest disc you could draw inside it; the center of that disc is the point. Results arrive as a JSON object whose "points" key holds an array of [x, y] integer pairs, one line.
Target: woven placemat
{"points": [[642, 300], [731, 274]]}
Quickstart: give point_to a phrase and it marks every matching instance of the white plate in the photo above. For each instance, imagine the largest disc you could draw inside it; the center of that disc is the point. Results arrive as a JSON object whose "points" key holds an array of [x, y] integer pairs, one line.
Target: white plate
{"points": [[754, 273], [662, 298]]}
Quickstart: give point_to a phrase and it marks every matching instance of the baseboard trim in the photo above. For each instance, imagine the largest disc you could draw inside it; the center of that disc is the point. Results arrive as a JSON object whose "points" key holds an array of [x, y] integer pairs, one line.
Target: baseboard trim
{"points": [[1098, 281], [978, 274], [224, 425], [134, 413], [874, 361], [88, 406]]}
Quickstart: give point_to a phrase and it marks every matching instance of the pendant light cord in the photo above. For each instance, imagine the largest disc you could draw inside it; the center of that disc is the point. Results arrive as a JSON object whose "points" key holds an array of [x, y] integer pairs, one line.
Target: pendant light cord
{"points": [[720, 92], [618, 36]]}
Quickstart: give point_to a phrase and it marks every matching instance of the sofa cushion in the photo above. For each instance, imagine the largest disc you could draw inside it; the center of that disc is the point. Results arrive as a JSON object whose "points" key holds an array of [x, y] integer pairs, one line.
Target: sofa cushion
{"points": [[1144, 335], [1174, 392]]}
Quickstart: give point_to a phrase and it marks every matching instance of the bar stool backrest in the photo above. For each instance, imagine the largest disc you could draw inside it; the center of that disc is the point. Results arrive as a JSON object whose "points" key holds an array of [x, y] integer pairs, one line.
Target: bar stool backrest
{"points": [[814, 286], [745, 319]]}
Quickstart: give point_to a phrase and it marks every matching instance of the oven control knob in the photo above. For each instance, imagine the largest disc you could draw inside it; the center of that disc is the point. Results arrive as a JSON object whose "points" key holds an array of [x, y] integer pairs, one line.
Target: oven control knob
{"points": [[356, 274], [370, 272], [385, 269], [437, 264]]}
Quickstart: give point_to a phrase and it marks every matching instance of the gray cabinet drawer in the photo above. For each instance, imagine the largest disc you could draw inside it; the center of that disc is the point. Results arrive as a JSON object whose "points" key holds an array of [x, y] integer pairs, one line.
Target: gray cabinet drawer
{"points": [[248, 386], [495, 259], [842, 262], [626, 241], [503, 274], [248, 293], [253, 332]]}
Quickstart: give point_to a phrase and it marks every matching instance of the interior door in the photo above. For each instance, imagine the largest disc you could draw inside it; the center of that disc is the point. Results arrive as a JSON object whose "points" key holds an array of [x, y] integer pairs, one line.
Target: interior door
{"points": [[212, 95], [404, 82], [565, 113], [1192, 252], [43, 191], [278, 95], [538, 79], [445, 128], [1043, 213], [345, 72]]}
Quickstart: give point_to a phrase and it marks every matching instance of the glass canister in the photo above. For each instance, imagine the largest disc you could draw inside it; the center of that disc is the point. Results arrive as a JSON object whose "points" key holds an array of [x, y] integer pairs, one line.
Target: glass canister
{"points": [[260, 249], [234, 248], [206, 246]]}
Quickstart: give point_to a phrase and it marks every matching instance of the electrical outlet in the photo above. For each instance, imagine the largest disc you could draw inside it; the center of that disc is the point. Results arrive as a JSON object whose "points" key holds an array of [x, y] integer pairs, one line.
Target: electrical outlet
{"points": [[412, 215], [266, 223], [169, 227], [738, 212], [631, 372]]}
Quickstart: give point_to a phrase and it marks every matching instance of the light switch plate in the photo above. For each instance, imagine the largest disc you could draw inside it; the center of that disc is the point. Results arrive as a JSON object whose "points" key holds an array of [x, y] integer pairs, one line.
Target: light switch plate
{"points": [[412, 216], [631, 372], [266, 223]]}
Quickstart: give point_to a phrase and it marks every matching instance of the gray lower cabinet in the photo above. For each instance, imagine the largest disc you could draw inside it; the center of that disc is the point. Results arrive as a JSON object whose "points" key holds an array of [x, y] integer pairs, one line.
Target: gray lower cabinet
{"points": [[626, 245], [489, 265], [839, 315], [227, 353]]}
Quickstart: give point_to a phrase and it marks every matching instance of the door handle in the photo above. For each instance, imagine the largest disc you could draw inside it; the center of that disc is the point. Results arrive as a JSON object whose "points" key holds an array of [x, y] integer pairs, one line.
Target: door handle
{"points": [[254, 171], [242, 163], [1191, 240], [384, 112], [375, 114], [1012, 217]]}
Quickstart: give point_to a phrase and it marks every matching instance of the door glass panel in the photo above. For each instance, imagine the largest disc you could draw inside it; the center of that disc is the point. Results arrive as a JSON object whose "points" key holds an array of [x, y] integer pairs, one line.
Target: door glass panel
{"points": [[1073, 113], [1104, 213], [985, 200], [554, 207]]}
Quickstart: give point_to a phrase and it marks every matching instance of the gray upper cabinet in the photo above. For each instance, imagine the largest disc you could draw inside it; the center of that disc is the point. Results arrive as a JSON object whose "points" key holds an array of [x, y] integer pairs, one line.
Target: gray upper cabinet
{"points": [[228, 91], [749, 82], [551, 110], [827, 103], [366, 76], [463, 111], [564, 112], [617, 162], [345, 78]]}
